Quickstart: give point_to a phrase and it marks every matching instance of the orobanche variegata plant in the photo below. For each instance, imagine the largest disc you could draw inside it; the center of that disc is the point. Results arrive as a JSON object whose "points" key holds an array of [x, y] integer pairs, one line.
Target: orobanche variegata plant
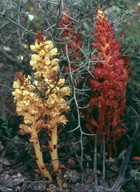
{"points": [[108, 87], [40, 100]]}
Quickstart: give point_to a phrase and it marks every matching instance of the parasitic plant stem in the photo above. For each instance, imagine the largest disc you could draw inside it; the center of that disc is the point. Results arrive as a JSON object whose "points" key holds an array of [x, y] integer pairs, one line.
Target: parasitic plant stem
{"points": [[54, 156], [39, 156]]}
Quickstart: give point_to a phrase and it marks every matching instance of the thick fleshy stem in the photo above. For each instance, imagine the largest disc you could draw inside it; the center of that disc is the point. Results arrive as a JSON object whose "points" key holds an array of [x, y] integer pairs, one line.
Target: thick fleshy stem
{"points": [[54, 156], [39, 156]]}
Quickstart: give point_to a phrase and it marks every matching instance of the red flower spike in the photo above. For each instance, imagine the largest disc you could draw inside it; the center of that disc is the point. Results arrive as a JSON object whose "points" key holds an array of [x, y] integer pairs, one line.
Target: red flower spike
{"points": [[108, 86], [70, 36]]}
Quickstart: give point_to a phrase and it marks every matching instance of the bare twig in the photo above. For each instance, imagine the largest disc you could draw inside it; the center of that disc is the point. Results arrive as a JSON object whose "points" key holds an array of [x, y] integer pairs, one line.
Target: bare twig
{"points": [[17, 24], [104, 156], [95, 161], [120, 179]]}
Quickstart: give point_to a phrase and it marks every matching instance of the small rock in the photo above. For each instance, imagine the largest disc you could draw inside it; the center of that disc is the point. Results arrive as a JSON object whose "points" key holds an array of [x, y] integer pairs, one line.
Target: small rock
{"points": [[4, 161], [71, 176], [18, 188], [65, 186], [5, 189], [35, 185], [51, 188], [11, 180]]}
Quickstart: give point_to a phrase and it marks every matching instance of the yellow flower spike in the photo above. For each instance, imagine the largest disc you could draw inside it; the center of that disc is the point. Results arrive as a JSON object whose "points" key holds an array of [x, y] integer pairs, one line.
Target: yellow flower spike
{"points": [[37, 46], [47, 48], [33, 48], [52, 52], [39, 99], [42, 53], [19, 110], [63, 106], [24, 104], [61, 82], [33, 63], [25, 128], [62, 119], [31, 87], [65, 91], [37, 74], [27, 80], [36, 57], [27, 121], [33, 112], [19, 91], [25, 92], [55, 62], [48, 45], [55, 70], [51, 100], [16, 85], [46, 61]]}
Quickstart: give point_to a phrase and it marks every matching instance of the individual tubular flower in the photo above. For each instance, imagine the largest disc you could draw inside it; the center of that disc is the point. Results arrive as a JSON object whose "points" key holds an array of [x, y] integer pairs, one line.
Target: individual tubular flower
{"points": [[40, 100], [70, 37], [108, 86]]}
